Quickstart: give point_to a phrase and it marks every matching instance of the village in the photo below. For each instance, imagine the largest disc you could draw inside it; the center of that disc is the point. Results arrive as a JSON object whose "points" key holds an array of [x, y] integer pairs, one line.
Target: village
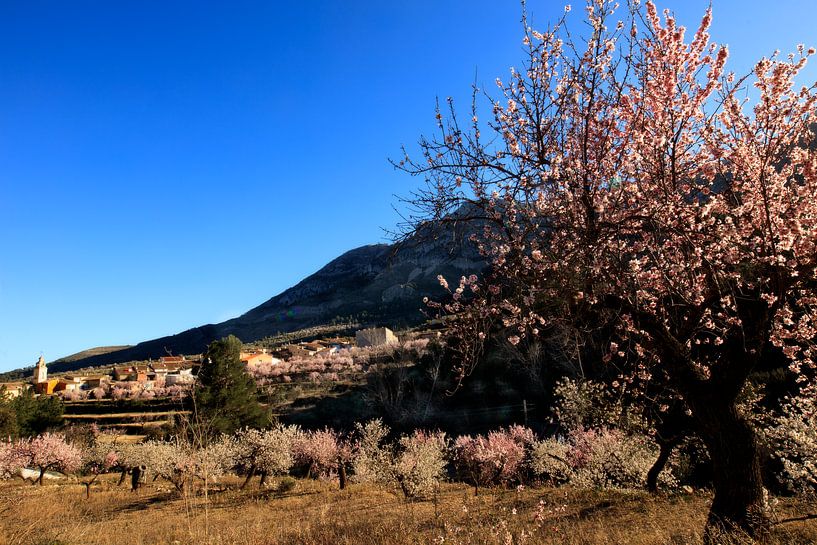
{"points": [[169, 375]]}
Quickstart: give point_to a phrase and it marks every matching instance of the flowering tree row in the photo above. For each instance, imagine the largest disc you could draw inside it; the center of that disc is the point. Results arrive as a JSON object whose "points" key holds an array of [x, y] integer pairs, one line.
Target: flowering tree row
{"points": [[414, 463], [128, 390], [328, 366]]}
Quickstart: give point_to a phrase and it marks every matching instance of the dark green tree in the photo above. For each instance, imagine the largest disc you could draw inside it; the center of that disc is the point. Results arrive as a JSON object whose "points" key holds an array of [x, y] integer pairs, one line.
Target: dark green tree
{"points": [[36, 414], [225, 396], [8, 417]]}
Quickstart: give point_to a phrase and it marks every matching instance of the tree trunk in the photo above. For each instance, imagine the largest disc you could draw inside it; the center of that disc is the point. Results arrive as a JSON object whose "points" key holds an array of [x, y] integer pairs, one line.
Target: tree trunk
{"points": [[740, 498], [88, 486], [341, 473], [136, 475], [663, 457], [250, 475]]}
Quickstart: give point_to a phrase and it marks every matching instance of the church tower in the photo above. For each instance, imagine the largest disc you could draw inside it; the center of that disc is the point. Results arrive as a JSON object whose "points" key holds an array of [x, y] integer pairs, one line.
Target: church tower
{"points": [[40, 371]]}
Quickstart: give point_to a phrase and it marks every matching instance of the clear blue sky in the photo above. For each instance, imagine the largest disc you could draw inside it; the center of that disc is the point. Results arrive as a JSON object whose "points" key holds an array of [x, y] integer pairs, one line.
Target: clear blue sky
{"points": [[169, 164]]}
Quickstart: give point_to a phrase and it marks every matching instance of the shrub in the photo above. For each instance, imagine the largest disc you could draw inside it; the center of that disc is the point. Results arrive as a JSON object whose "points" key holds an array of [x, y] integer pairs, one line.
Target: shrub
{"points": [[318, 452], [419, 464], [371, 455], [269, 452], [550, 460], [605, 458], [286, 484], [498, 458]]}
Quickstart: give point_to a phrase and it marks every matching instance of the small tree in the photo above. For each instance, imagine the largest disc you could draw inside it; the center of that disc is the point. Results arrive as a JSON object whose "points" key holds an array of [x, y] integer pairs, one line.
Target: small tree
{"points": [[419, 463], [265, 452], [319, 452], [50, 452], [97, 459], [371, 455], [225, 394], [496, 458]]}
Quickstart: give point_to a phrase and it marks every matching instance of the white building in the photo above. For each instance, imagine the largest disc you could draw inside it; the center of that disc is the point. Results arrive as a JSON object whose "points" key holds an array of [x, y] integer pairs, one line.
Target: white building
{"points": [[376, 336]]}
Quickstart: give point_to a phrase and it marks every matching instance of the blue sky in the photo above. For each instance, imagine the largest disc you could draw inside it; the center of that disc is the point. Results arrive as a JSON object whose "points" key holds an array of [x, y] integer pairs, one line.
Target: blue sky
{"points": [[169, 164]]}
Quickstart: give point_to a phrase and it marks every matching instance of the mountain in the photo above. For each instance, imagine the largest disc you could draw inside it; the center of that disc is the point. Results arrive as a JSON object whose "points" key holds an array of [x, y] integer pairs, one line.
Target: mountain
{"points": [[90, 352], [379, 284]]}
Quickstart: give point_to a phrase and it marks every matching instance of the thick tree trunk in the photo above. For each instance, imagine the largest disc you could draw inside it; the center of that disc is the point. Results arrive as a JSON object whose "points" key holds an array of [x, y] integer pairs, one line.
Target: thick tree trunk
{"points": [[740, 498]]}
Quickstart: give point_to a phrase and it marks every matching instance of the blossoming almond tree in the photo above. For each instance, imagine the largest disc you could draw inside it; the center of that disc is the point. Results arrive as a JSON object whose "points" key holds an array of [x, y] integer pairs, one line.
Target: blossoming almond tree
{"points": [[623, 176], [50, 451], [268, 452]]}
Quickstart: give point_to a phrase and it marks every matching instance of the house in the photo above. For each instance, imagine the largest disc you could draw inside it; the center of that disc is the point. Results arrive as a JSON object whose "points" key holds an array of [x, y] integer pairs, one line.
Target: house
{"points": [[135, 373], [183, 376], [12, 389], [95, 381], [173, 361], [258, 358], [120, 373], [314, 347], [69, 384], [291, 351], [47, 387], [375, 336]]}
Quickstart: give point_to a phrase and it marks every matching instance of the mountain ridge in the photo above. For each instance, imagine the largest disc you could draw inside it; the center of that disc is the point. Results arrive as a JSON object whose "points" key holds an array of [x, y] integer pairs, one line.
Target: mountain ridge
{"points": [[375, 284]]}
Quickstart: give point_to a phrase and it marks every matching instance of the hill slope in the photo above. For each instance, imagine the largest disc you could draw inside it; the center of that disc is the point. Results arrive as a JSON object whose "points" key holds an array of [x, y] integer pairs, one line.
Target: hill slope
{"points": [[378, 284]]}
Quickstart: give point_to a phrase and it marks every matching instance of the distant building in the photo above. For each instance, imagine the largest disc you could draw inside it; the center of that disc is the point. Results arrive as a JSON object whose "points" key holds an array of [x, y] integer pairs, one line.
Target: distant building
{"points": [[47, 387], [136, 373], [12, 389], [95, 382], [185, 376], [172, 361], [42, 385], [376, 336], [69, 384], [258, 358], [291, 351], [40, 371]]}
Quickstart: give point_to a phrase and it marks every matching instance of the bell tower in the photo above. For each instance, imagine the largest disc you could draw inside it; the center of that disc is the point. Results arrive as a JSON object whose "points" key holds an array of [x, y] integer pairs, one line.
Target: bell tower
{"points": [[40, 371]]}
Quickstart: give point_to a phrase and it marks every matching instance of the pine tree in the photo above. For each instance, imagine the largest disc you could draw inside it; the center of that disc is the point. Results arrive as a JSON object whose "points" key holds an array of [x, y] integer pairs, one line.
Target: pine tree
{"points": [[226, 396]]}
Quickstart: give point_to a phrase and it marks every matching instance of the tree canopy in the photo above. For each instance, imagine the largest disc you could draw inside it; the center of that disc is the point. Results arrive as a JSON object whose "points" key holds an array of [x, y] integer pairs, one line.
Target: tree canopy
{"points": [[623, 180], [28, 415]]}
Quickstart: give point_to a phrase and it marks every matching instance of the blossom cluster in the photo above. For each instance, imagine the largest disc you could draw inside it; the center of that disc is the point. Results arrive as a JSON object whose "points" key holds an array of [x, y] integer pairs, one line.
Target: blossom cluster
{"points": [[793, 437], [46, 452], [127, 390], [329, 366]]}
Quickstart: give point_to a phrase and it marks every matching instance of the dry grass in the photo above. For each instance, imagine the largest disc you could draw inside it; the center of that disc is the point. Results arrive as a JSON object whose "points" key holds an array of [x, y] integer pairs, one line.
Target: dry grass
{"points": [[318, 513]]}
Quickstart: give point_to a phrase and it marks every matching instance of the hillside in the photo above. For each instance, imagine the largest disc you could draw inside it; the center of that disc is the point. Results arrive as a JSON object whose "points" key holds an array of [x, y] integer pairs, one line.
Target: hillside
{"points": [[381, 284], [99, 350]]}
